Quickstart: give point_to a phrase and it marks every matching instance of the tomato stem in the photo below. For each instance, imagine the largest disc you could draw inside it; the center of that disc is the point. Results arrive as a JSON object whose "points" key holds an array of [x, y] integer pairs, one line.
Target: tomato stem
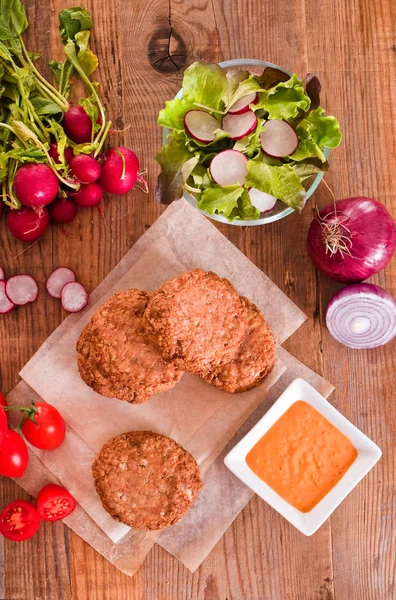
{"points": [[29, 412]]}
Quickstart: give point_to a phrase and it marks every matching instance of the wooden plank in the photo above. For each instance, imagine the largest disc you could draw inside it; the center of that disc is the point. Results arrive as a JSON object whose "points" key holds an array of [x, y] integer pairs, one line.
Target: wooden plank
{"points": [[361, 90]]}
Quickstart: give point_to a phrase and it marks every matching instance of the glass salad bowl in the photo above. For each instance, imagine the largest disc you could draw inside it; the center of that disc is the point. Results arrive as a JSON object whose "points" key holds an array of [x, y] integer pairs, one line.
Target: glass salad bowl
{"points": [[280, 209]]}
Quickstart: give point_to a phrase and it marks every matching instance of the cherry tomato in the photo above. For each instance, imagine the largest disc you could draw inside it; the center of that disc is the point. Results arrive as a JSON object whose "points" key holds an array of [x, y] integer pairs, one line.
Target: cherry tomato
{"points": [[50, 431], [3, 419], [14, 455], [54, 502], [19, 521]]}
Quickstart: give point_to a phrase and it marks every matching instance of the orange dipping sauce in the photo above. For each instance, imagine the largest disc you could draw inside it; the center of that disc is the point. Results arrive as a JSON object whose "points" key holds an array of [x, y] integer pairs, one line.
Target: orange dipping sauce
{"points": [[302, 456]]}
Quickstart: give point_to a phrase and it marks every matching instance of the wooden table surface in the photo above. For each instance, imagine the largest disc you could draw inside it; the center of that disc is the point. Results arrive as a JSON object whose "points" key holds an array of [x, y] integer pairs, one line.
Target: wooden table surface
{"points": [[350, 45]]}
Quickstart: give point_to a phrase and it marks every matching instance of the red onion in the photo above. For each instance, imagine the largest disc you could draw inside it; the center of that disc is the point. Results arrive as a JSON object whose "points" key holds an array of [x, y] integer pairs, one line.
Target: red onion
{"points": [[352, 239], [362, 316]]}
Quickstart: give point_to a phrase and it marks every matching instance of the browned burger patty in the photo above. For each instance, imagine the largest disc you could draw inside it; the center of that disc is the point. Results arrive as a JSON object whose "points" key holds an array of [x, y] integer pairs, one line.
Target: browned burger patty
{"points": [[255, 358], [113, 356], [197, 320], [146, 480]]}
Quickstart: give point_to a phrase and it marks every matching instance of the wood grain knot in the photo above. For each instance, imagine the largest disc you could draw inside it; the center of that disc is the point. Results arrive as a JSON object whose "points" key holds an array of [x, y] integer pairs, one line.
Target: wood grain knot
{"points": [[167, 52]]}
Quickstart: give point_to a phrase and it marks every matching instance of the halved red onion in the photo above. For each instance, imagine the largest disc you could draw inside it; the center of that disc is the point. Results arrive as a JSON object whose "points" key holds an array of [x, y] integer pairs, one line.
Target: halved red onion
{"points": [[361, 316]]}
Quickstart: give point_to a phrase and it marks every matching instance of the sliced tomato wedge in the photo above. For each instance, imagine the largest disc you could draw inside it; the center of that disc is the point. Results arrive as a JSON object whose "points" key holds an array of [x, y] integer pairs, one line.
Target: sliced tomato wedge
{"points": [[54, 502], [19, 521]]}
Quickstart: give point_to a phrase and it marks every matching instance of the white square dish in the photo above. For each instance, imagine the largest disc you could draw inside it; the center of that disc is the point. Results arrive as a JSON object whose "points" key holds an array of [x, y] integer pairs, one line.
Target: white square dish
{"points": [[368, 454]]}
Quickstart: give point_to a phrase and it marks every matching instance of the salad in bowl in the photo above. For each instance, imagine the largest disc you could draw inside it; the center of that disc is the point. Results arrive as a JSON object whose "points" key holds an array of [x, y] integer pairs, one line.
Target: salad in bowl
{"points": [[244, 148]]}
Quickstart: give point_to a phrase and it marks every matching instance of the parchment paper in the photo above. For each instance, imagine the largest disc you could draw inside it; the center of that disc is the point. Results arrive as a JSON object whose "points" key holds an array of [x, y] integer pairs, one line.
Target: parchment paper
{"points": [[181, 239], [221, 500]]}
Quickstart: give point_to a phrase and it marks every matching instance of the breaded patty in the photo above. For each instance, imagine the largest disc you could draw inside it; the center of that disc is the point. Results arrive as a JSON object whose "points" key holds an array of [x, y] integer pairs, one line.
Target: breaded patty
{"points": [[197, 320], [114, 357], [253, 362], [145, 479]]}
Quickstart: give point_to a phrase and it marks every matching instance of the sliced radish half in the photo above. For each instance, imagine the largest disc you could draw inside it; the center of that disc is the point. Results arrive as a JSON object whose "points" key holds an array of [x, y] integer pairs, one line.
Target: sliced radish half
{"points": [[229, 168], [74, 297], [261, 200], [201, 125], [6, 305], [2, 276], [242, 105], [279, 139], [57, 281], [238, 126], [21, 289]]}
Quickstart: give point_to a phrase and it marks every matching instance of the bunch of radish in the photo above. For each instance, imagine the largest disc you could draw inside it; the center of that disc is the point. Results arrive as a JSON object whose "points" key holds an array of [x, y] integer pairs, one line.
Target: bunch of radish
{"points": [[229, 166], [19, 290], [43, 199], [53, 161]]}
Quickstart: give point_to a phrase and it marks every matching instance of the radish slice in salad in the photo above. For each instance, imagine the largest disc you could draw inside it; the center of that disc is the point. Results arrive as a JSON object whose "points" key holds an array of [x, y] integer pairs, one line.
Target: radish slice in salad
{"points": [[261, 200], [239, 126], [6, 305], [2, 276], [362, 316], [229, 168], [74, 297], [279, 139], [242, 105], [201, 125], [21, 289], [57, 281]]}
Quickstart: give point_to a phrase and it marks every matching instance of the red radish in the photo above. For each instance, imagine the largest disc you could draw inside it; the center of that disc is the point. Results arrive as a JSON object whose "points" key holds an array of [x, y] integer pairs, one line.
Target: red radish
{"points": [[62, 210], [239, 126], [35, 185], [242, 105], [6, 305], [57, 281], [120, 170], [2, 275], [77, 124], [53, 152], [85, 168], [201, 125], [1, 208], [279, 139], [88, 195], [21, 289], [261, 200], [74, 297], [229, 168], [27, 225]]}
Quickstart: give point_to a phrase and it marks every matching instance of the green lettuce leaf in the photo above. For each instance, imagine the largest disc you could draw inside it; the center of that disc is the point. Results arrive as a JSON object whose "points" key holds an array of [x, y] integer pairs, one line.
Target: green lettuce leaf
{"points": [[279, 181], [309, 167], [285, 100], [244, 211], [13, 20], [172, 115], [250, 144], [218, 199], [245, 87], [206, 85], [315, 132], [177, 164]]}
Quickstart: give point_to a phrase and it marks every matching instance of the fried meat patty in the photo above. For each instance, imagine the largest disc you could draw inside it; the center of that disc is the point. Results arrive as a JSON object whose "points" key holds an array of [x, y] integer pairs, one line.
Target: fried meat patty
{"points": [[145, 479], [114, 357], [254, 360], [197, 320]]}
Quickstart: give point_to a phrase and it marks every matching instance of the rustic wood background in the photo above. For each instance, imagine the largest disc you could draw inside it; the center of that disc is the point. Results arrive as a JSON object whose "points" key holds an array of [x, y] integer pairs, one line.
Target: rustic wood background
{"points": [[143, 47]]}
